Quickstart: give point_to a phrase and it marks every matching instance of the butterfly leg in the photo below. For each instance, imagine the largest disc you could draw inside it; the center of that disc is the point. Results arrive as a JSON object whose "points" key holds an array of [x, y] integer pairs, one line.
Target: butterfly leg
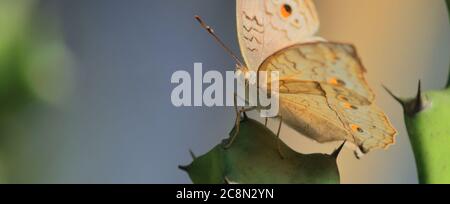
{"points": [[265, 121], [237, 123], [245, 113], [236, 128], [278, 136]]}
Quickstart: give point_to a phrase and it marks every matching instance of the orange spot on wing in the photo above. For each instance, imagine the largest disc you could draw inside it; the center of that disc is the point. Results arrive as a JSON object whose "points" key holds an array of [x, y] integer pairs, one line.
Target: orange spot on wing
{"points": [[335, 81], [286, 10], [356, 128], [349, 106], [342, 98]]}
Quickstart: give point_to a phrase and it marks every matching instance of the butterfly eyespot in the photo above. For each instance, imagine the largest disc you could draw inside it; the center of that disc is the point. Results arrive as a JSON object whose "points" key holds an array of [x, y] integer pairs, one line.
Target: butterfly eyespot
{"points": [[286, 10], [356, 128]]}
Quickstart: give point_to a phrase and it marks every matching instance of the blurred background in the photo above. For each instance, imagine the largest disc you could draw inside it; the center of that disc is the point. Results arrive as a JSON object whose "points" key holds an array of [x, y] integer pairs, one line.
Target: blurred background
{"points": [[85, 85]]}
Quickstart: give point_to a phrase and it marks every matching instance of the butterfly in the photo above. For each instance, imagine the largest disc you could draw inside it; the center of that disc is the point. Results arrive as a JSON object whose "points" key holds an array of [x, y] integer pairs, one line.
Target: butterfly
{"points": [[279, 35], [322, 90]]}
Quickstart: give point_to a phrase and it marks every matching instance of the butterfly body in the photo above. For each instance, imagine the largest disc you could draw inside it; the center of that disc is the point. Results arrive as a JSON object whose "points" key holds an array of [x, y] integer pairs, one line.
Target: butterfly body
{"points": [[322, 90]]}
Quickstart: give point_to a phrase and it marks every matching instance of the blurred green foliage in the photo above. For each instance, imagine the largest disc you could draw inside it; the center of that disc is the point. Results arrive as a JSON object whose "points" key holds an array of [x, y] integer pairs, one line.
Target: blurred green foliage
{"points": [[448, 5], [14, 20], [35, 71]]}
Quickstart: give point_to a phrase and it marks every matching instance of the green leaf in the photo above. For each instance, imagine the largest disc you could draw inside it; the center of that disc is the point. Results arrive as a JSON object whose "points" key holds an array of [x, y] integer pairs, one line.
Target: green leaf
{"points": [[448, 9], [429, 132], [254, 159]]}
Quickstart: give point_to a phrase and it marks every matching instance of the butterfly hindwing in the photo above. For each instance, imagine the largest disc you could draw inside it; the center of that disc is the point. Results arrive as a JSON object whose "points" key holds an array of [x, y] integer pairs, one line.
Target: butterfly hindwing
{"points": [[366, 122], [346, 103], [310, 115]]}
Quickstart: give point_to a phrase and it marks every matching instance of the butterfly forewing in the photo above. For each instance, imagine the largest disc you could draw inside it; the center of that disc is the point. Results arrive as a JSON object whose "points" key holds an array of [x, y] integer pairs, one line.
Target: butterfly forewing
{"points": [[324, 62], [265, 26]]}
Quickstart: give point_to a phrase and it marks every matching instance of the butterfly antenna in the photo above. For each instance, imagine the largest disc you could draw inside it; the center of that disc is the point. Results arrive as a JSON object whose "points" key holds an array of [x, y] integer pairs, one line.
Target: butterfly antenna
{"points": [[213, 34]]}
